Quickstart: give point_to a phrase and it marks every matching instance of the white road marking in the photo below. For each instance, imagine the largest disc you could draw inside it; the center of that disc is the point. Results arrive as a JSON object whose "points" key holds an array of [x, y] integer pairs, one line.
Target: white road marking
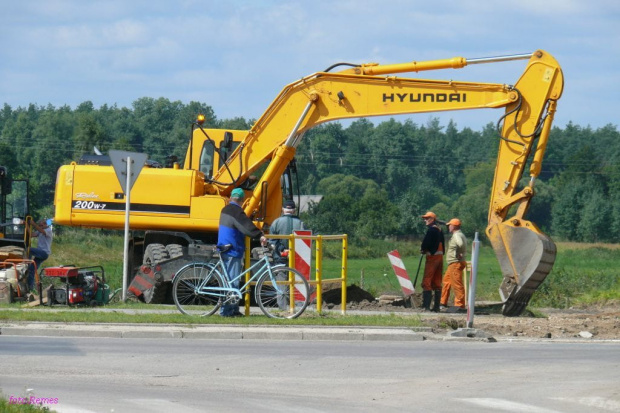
{"points": [[508, 406], [598, 402]]}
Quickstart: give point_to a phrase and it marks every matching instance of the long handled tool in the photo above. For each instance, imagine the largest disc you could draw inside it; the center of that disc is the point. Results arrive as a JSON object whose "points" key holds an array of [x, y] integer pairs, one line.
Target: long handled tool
{"points": [[418, 272]]}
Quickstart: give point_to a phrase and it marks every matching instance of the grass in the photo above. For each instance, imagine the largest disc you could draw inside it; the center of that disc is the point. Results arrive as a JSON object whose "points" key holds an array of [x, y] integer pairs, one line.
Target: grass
{"points": [[11, 405], [77, 315], [581, 276], [85, 248]]}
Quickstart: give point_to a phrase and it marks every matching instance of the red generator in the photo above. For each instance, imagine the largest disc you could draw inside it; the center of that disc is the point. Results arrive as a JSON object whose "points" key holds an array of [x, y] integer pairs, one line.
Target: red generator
{"points": [[77, 286]]}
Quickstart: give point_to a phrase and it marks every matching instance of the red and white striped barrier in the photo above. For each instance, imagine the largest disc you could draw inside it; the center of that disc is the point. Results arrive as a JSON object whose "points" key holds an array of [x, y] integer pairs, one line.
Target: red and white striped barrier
{"points": [[303, 253], [401, 273], [303, 256]]}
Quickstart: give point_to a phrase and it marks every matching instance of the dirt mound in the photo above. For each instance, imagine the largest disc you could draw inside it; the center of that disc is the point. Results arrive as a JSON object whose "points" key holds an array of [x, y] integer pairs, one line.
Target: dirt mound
{"points": [[594, 322], [599, 323], [355, 294]]}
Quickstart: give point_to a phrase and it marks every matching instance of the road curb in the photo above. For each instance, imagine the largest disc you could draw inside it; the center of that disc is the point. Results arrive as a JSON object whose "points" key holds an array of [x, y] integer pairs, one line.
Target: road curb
{"points": [[236, 332], [225, 332]]}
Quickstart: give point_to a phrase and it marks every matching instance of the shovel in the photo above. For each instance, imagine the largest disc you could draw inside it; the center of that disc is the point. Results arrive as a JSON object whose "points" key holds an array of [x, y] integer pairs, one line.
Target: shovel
{"points": [[412, 304], [418, 272]]}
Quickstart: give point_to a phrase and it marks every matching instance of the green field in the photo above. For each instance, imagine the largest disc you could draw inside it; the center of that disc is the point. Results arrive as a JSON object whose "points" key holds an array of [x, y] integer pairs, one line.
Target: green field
{"points": [[584, 274]]}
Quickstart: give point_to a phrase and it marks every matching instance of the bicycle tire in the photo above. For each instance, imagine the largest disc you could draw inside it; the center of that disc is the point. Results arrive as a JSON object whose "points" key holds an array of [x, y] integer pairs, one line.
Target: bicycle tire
{"points": [[275, 300], [185, 289]]}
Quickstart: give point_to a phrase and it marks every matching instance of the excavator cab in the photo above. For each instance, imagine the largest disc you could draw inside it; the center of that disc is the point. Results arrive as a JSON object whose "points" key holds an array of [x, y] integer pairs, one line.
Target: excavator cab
{"points": [[14, 208]]}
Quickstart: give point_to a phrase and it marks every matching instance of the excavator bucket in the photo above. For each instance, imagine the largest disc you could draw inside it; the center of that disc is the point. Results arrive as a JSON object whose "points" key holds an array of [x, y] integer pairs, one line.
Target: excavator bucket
{"points": [[526, 257]]}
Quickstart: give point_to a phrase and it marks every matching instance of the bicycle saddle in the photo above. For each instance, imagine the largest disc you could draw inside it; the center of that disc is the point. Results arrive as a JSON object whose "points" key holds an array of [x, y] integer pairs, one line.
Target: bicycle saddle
{"points": [[224, 248]]}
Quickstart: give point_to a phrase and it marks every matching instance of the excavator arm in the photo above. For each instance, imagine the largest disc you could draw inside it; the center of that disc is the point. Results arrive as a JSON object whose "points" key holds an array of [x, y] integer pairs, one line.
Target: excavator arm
{"points": [[526, 255]]}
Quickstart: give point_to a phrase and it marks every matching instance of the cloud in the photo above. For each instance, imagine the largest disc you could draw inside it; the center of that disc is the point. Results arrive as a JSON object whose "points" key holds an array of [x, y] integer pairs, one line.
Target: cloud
{"points": [[238, 55]]}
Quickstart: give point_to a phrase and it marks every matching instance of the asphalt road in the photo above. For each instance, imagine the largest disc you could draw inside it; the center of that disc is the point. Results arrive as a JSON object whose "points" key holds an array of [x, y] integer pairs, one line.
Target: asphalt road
{"points": [[101, 374]]}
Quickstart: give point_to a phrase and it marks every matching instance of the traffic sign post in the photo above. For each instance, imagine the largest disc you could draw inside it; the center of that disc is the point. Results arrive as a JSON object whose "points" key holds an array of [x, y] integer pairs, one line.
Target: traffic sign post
{"points": [[127, 166], [475, 252]]}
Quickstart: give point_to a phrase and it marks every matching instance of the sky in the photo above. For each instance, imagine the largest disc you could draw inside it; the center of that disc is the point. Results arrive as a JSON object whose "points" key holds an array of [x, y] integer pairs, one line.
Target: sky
{"points": [[237, 55]]}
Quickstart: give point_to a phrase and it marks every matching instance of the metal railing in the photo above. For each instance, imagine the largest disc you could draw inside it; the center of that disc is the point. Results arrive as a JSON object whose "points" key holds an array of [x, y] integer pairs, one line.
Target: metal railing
{"points": [[319, 279]]}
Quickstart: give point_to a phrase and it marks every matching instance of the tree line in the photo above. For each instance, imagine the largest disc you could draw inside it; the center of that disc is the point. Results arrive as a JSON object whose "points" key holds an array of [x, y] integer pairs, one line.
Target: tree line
{"points": [[376, 178]]}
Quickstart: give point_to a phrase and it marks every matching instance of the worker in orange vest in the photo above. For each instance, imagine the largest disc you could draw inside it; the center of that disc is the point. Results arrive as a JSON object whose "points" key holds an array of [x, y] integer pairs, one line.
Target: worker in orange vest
{"points": [[433, 248], [455, 258]]}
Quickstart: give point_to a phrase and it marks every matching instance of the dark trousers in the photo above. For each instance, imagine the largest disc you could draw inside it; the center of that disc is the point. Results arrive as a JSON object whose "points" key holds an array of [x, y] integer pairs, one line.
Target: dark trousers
{"points": [[38, 255]]}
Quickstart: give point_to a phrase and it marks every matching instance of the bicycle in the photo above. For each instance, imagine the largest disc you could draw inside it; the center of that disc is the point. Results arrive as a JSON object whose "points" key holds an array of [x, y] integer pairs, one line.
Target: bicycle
{"points": [[202, 288]]}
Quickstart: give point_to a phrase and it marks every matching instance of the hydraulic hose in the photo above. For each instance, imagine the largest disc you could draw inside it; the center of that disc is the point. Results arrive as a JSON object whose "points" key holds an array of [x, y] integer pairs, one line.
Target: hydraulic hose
{"points": [[517, 109], [335, 65]]}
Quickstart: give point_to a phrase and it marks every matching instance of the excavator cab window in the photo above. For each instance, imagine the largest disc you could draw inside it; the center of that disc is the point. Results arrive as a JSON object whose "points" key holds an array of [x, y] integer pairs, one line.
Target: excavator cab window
{"points": [[206, 159]]}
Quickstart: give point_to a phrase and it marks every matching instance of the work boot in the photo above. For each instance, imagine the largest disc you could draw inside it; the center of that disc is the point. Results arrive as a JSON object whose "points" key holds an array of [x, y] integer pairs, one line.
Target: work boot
{"points": [[437, 301], [426, 300]]}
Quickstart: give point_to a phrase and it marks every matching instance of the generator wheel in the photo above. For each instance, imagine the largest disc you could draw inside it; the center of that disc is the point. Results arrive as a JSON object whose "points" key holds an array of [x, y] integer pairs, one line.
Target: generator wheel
{"points": [[9, 294]]}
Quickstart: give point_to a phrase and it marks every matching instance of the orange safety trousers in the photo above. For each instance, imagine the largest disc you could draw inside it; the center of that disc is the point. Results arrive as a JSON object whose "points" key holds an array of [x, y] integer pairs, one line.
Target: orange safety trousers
{"points": [[454, 279], [432, 272]]}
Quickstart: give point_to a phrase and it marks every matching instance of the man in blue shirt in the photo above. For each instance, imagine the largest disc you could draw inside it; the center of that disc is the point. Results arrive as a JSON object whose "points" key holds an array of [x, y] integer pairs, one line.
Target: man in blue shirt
{"points": [[234, 227]]}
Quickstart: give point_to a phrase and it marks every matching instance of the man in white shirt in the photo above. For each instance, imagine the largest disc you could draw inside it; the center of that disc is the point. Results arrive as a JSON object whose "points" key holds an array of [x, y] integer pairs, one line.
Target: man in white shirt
{"points": [[453, 278]]}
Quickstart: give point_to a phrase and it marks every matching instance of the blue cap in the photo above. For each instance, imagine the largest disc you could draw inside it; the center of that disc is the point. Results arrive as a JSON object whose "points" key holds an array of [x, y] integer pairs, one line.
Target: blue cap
{"points": [[237, 193]]}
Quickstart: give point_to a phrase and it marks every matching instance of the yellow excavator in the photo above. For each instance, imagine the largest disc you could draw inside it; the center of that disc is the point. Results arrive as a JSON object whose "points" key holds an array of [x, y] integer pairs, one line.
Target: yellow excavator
{"points": [[178, 207]]}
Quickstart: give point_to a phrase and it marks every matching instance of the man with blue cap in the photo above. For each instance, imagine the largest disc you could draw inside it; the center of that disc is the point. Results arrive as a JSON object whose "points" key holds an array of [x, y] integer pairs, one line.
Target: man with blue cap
{"points": [[234, 227]]}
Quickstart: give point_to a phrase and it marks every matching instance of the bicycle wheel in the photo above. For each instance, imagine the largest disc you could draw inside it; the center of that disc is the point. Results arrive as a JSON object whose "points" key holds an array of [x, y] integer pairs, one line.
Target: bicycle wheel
{"points": [[197, 289], [274, 295]]}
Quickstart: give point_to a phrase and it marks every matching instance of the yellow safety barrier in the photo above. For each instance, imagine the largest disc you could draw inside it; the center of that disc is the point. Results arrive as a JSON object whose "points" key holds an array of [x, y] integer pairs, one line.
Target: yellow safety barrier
{"points": [[319, 280]]}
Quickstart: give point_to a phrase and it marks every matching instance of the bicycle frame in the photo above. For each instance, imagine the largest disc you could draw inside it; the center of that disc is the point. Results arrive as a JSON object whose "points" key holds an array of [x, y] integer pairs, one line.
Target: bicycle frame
{"points": [[280, 291], [262, 266]]}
